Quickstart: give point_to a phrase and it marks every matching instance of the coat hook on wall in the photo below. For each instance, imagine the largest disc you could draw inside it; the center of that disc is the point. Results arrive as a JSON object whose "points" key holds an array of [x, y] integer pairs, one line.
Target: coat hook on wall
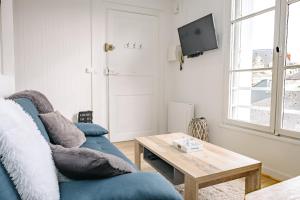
{"points": [[134, 45]]}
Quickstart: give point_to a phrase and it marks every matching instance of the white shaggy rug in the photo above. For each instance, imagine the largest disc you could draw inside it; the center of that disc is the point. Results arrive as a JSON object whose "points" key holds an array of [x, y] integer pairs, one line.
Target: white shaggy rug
{"points": [[233, 190]]}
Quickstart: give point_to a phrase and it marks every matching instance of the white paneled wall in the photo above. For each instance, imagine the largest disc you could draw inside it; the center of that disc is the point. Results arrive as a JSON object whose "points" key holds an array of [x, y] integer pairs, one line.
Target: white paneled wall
{"points": [[7, 37], [7, 49], [53, 49]]}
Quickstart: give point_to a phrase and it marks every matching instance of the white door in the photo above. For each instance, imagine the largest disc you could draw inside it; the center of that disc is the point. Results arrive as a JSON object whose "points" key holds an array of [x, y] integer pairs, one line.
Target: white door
{"points": [[53, 49], [132, 75]]}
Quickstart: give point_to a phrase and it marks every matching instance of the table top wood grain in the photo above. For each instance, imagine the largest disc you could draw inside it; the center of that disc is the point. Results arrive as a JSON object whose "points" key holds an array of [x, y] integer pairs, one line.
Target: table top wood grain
{"points": [[209, 163]]}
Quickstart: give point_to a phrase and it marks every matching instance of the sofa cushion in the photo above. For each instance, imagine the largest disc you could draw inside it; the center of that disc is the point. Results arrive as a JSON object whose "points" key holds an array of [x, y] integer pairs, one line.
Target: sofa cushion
{"points": [[86, 163], [62, 131], [29, 108], [91, 129], [134, 186]]}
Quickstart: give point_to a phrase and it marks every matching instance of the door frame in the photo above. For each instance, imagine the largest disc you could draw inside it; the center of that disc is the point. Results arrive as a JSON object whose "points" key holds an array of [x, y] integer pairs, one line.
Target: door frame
{"points": [[109, 6]]}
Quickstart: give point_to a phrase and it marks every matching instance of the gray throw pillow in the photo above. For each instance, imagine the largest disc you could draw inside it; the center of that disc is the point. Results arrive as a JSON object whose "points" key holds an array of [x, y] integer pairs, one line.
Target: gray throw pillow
{"points": [[62, 131], [84, 163]]}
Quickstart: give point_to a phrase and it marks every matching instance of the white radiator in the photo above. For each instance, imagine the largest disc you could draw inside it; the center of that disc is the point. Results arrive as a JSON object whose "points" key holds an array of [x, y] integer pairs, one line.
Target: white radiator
{"points": [[179, 116]]}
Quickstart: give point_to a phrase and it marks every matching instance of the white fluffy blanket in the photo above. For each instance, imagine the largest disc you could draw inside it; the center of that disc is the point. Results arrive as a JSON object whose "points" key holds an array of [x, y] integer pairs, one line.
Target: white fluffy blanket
{"points": [[26, 155]]}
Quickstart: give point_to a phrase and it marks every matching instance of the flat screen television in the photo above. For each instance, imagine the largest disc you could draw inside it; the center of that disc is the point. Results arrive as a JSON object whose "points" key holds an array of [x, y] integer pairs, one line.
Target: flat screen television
{"points": [[198, 36]]}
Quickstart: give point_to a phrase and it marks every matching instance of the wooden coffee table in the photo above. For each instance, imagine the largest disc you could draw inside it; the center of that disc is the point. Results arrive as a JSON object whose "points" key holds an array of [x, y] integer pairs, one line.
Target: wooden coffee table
{"points": [[212, 165]]}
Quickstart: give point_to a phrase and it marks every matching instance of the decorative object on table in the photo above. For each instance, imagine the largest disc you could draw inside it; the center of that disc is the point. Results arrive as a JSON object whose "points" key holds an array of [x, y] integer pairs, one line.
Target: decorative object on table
{"points": [[198, 128], [187, 145], [85, 117]]}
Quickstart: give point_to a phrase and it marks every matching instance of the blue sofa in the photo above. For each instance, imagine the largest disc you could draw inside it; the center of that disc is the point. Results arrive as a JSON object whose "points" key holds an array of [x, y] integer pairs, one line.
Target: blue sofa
{"points": [[134, 186]]}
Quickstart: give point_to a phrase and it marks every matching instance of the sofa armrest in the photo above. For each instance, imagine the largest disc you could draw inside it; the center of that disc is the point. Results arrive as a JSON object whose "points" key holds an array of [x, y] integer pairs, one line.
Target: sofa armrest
{"points": [[91, 129]]}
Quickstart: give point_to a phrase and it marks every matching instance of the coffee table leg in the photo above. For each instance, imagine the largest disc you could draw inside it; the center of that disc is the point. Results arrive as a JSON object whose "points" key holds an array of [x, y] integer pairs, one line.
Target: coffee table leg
{"points": [[191, 188], [138, 149], [253, 181]]}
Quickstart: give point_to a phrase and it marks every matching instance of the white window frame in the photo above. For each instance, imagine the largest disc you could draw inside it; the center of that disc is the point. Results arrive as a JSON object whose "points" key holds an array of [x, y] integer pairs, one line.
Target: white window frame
{"points": [[280, 35], [281, 69]]}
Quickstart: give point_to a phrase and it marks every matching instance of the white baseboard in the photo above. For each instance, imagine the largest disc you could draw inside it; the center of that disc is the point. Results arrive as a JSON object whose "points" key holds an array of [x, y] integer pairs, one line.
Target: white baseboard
{"points": [[275, 174], [129, 136]]}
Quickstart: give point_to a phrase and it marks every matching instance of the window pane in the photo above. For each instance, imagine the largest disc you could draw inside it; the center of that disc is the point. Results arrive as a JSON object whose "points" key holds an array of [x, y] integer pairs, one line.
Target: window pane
{"points": [[246, 7], [253, 41], [251, 97], [291, 113], [293, 40]]}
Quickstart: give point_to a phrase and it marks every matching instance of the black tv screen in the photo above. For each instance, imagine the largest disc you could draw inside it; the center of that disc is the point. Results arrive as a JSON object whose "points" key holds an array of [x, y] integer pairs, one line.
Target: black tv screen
{"points": [[198, 36]]}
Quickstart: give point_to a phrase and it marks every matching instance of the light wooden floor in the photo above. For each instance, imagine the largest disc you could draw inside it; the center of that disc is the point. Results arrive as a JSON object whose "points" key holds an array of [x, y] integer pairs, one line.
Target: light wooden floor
{"points": [[128, 149]]}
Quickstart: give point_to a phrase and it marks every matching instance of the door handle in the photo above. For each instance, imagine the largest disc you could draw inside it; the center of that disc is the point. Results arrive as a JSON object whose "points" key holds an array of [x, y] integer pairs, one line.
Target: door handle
{"points": [[108, 47], [110, 72]]}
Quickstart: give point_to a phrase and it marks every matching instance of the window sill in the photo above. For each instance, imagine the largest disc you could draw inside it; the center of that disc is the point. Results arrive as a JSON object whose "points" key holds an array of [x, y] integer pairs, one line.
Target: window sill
{"points": [[241, 130]]}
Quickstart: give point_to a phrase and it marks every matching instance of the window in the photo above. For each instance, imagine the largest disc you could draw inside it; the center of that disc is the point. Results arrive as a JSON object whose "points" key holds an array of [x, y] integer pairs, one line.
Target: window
{"points": [[289, 68], [264, 73]]}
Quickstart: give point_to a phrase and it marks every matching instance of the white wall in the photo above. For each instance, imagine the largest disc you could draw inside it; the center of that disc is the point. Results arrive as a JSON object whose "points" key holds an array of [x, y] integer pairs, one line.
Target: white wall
{"points": [[53, 50], [7, 80], [202, 82]]}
